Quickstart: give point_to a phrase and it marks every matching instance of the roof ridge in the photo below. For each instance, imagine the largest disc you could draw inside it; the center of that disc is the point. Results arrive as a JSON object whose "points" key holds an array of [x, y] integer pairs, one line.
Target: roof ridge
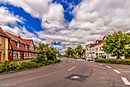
{"points": [[3, 33], [15, 37]]}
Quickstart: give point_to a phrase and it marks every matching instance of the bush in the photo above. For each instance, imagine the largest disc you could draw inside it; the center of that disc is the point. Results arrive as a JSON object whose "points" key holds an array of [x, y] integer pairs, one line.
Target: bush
{"points": [[9, 66], [51, 62], [28, 65], [113, 61], [1, 68], [45, 62], [39, 59], [17, 66]]}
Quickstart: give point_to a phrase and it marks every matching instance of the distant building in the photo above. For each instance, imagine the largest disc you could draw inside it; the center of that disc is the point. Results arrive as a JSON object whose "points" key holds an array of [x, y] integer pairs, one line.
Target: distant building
{"points": [[95, 50], [89, 51], [98, 51]]}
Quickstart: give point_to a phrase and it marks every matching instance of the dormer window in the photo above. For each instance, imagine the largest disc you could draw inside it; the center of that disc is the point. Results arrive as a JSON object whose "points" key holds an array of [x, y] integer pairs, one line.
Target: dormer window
{"points": [[25, 46], [18, 44], [31, 47]]}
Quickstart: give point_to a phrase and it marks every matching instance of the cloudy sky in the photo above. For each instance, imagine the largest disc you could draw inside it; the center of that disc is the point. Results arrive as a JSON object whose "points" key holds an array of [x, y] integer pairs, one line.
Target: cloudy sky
{"points": [[64, 22]]}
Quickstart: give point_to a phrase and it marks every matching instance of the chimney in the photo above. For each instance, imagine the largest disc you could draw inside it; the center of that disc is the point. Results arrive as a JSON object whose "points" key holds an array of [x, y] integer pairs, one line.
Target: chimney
{"points": [[19, 36]]}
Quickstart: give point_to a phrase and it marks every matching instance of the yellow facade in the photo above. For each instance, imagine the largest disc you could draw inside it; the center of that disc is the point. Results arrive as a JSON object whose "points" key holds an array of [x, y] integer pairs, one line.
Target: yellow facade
{"points": [[3, 48]]}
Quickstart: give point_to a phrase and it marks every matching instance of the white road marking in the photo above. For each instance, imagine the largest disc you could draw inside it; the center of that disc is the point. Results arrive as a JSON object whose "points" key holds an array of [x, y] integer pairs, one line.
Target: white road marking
{"points": [[108, 66], [71, 68], [123, 70], [81, 59], [100, 64], [75, 77], [126, 71], [125, 81], [116, 71]]}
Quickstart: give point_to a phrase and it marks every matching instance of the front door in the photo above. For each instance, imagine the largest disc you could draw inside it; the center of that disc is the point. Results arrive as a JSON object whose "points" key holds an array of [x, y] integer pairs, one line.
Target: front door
{"points": [[22, 55], [10, 57]]}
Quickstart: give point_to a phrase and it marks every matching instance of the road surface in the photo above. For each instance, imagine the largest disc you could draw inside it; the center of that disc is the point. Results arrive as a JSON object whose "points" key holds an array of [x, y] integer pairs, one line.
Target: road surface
{"points": [[70, 73]]}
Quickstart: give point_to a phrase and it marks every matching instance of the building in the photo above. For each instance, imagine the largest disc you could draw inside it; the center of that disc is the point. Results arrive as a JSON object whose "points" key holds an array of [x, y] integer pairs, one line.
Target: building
{"points": [[3, 45], [32, 49], [95, 50], [16, 48], [90, 52], [98, 51], [20, 49]]}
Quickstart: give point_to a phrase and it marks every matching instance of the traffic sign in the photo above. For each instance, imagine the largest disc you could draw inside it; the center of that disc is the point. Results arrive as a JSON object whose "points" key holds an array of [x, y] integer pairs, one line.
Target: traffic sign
{"points": [[127, 46]]}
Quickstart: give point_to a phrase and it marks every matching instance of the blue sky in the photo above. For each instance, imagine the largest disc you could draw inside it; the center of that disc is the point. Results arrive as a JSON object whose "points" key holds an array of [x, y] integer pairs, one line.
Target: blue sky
{"points": [[63, 22], [33, 24]]}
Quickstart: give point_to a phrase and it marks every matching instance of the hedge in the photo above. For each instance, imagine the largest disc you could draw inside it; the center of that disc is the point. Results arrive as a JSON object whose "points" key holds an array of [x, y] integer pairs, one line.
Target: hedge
{"points": [[18, 66], [113, 61]]}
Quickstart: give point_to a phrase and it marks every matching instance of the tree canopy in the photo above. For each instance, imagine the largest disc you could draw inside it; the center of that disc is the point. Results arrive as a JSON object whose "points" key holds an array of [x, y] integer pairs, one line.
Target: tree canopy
{"points": [[75, 52], [47, 52], [117, 41], [70, 52]]}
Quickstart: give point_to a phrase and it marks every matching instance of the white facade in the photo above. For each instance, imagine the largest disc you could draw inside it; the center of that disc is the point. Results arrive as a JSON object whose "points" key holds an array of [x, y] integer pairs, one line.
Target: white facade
{"points": [[89, 51], [95, 51], [98, 52]]}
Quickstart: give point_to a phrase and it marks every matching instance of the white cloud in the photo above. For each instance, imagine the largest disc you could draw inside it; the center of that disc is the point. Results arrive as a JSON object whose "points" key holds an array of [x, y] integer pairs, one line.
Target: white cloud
{"points": [[36, 8], [6, 17], [56, 37], [93, 19], [100, 17], [51, 13], [54, 18]]}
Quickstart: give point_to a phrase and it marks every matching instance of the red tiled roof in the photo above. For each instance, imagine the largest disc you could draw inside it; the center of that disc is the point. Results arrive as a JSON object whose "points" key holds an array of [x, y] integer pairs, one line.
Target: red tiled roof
{"points": [[28, 41], [15, 38], [14, 46], [2, 33], [92, 45], [98, 42]]}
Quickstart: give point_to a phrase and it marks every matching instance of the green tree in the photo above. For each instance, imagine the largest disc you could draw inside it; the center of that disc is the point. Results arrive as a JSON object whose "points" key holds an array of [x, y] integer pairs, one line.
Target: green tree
{"points": [[47, 52], [51, 53], [116, 44], [79, 50], [70, 52]]}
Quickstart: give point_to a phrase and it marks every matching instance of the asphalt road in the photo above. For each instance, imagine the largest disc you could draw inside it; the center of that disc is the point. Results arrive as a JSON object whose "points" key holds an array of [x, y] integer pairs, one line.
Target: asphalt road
{"points": [[70, 73]]}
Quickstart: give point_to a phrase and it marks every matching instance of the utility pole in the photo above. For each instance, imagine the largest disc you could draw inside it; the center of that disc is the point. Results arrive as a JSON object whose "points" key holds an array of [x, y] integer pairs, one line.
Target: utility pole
{"points": [[117, 55]]}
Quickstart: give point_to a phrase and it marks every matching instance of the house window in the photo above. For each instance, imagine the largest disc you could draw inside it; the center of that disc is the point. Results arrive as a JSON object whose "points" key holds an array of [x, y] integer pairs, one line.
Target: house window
{"points": [[101, 49], [31, 47], [96, 49], [25, 46], [15, 55], [18, 44]]}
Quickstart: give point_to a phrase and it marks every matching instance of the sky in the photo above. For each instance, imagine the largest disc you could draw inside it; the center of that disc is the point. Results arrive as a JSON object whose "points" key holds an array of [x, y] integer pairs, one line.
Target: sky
{"points": [[65, 23]]}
